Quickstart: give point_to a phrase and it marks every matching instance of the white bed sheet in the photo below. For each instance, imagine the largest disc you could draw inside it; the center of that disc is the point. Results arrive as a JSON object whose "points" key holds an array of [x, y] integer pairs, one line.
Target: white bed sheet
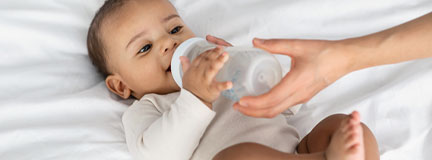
{"points": [[53, 105]]}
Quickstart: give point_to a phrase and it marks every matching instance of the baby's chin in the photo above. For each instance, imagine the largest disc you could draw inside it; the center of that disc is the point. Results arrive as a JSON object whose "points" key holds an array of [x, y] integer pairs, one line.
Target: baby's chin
{"points": [[173, 84], [170, 87]]}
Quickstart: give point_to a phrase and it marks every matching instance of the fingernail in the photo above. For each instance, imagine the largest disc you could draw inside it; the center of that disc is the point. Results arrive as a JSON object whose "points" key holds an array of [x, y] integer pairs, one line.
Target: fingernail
{"points": [[243, 104], [230, 85]]}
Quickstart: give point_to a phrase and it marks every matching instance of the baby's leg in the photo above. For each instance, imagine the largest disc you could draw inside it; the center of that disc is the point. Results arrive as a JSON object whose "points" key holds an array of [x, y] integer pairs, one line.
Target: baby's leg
{"points": [[330, 131], [344, 142], [254, 151]]}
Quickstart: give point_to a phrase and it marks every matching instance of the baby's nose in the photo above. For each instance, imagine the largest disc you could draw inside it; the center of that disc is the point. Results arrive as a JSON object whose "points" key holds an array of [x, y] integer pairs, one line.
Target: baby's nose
{"points": [[173, 47]]}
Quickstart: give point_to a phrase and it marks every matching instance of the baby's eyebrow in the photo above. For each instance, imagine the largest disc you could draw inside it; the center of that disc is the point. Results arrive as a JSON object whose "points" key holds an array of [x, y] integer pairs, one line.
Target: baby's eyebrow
{"points": [[166, 19], [136, 37], [170, 17]]}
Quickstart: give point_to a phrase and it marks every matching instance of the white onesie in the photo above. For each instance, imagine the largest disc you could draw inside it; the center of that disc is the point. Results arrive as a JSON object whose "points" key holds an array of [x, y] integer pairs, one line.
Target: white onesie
{"points": [[178, 126]]}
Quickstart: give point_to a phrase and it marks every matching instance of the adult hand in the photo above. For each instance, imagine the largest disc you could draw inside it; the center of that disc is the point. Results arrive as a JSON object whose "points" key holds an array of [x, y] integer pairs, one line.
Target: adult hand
{"points": [[318, 63], [315, 65]]}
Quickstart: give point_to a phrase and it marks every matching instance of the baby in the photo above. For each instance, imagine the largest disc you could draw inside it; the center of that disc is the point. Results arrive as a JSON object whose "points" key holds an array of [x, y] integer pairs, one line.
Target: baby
{"points": [[131, 42]]}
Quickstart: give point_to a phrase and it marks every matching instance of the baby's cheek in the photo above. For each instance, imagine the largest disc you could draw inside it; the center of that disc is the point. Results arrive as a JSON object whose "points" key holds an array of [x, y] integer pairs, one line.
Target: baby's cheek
{"points": [[154, 82]]}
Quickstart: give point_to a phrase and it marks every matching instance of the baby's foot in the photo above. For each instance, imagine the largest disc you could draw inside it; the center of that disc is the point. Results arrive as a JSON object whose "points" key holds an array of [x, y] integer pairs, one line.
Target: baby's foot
{"points": [[347, 142]]}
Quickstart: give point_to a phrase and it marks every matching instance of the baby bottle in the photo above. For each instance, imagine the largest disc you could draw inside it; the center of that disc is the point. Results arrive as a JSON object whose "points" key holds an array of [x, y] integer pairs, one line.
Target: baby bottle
{"points": [[252, 71]]}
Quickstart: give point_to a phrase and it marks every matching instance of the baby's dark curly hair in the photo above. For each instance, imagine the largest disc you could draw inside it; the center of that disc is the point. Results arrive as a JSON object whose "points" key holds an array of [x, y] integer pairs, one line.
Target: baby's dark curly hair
{"points": [[95, 47]]}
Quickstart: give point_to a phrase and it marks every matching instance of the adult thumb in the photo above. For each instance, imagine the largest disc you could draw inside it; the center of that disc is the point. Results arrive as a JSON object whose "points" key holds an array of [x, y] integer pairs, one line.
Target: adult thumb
{"points": [[278, 46]]}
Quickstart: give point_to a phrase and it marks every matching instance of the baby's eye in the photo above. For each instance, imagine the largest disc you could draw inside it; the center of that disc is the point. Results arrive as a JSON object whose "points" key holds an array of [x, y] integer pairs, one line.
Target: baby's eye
{"points": [[145, 48], [176, 30]]}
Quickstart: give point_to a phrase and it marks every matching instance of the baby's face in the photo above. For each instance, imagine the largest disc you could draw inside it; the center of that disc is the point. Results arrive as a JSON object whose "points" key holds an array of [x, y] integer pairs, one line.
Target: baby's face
{"points": [[140, 39]]}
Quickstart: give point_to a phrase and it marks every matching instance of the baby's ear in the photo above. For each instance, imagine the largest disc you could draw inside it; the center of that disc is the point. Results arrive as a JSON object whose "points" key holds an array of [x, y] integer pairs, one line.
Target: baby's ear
{"points": [[116, 85]]}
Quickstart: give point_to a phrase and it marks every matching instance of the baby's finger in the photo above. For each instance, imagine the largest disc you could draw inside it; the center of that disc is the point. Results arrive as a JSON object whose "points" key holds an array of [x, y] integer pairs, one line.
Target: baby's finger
{"points": [[185, 63], [216, 65], [213, 54], [212, 69], [221, 86], [197, 60], [223, 57], [203, 57]]}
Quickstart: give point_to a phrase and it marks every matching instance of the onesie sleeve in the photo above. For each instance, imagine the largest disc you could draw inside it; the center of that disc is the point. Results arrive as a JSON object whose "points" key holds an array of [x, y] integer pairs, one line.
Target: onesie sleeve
{"points": [[173, 132]]}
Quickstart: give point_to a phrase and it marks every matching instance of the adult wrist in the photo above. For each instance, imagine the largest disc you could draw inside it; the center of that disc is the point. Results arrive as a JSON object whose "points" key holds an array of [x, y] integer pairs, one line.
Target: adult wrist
{"points": [[365, 51], [351, 53], [354, 54], [344, 59]]}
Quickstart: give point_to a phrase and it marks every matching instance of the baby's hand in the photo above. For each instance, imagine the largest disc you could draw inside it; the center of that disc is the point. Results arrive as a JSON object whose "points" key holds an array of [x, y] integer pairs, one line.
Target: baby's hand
{"points": [[199, 76]]}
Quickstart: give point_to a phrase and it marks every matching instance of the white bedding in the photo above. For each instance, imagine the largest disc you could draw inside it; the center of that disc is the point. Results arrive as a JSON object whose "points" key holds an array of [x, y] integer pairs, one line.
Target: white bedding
{"points": [[53, 104]]}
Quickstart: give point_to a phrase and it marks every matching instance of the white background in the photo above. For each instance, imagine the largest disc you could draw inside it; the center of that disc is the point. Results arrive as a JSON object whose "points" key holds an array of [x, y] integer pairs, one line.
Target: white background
{"points": [[54, 105]]}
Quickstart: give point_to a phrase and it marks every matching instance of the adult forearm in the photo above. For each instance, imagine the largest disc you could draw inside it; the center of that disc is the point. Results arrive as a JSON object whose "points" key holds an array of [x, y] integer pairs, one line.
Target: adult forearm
{"points": [[408, 41]]}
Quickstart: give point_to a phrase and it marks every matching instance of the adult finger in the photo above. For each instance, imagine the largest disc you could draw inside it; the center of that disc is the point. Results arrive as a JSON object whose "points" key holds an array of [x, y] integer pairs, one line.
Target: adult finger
{"points": [[218, 41], [266, 100], [267, 112], [273, 97], [279, 46], [262, 113], [290, 87]]}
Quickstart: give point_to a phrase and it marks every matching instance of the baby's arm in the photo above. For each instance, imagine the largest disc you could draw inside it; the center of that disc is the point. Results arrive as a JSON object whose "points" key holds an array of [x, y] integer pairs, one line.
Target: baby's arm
{"points": [[174, 132], [155, 131]]}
